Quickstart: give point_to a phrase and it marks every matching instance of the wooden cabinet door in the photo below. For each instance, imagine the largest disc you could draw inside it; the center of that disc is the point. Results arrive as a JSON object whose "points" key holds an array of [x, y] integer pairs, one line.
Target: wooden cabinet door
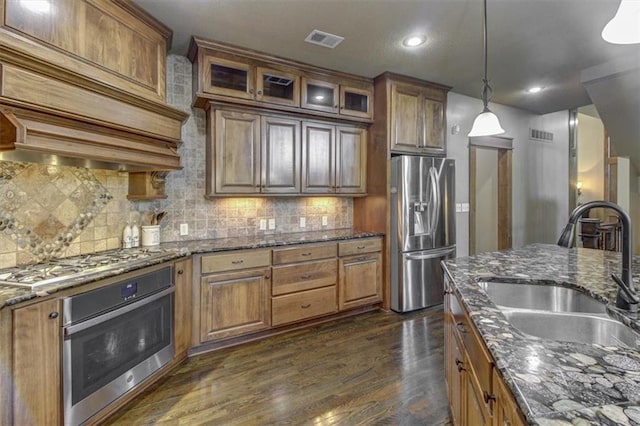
{"points": [[234, 303], [280, 156], [277, 87], [320, 95], [406, 121], [433, 118], [360, 280], [454, 371], [237, 152], [356, 102], [318, 158], [351, 160], [182, 315], [475, 411], [229, 78], [36, 364], [506, 411]]}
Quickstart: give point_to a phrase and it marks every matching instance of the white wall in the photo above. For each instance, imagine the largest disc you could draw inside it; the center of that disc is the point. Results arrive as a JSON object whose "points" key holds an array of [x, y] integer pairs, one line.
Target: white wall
{"points": [[486, 200], [540, 170], [591, 158]]}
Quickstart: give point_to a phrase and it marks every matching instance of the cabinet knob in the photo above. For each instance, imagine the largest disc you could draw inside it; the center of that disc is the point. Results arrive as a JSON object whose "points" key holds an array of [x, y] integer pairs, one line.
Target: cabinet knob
{"points": [[251, 91], [259, 92], [447, 292], [461, 368], [488, 397], [180, 272], [335, 106], [460, 326], [53, 315], [266, 277]]}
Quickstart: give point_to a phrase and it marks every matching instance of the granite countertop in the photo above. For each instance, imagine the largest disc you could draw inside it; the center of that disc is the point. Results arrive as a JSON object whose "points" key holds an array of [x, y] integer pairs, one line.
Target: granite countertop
{"points": [[556, 383], [147, 256]]}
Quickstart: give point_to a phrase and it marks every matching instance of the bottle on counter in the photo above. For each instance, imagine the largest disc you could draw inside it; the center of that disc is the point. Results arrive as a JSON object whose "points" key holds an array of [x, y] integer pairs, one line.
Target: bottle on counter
{"points": [[135, 235], [126, 237]]}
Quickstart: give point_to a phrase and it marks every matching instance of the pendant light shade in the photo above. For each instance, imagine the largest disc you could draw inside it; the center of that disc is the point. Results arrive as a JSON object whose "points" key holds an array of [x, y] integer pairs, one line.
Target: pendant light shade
{"points": [[486, 123], [624, 27]]}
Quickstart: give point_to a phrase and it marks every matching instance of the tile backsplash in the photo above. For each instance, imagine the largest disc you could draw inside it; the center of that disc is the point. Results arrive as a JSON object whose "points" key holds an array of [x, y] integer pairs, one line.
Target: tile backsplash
{"points": [[58, 211]]}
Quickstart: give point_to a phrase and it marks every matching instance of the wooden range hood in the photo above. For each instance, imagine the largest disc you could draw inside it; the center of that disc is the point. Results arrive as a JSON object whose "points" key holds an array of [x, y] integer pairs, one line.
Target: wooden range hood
{"points": [[45, 138]]}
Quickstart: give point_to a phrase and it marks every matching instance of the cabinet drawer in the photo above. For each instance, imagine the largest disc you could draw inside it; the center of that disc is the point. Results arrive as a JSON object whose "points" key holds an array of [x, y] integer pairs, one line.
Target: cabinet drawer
{"points": [[235, 261], [304, 276], [303, 305], [304, 253], [348, 248]]}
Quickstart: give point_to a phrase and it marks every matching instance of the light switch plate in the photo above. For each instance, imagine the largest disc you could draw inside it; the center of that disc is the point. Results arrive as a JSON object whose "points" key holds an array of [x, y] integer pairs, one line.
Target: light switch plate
{"points": [[465, 207], [272, 224], [184, 229], [458, 207], [325, 222], [263, 224], [303, 222]]}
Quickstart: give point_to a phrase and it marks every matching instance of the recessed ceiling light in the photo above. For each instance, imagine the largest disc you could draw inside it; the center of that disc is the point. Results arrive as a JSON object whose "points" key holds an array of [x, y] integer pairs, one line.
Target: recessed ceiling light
{"points": [[535, 89], [414, 40]]}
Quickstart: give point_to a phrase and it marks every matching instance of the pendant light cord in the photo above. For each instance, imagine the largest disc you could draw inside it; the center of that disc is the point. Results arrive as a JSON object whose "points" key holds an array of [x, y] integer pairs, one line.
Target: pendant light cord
{"points": [[486, 89]]}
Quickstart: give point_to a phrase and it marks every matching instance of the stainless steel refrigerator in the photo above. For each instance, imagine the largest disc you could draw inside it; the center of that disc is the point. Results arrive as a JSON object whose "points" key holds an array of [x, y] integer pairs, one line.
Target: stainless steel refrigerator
{"points": [[422, 229]]}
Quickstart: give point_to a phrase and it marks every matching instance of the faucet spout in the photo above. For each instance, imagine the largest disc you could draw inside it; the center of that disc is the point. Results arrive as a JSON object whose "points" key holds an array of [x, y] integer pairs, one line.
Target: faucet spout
{"points": [[566, 238]]}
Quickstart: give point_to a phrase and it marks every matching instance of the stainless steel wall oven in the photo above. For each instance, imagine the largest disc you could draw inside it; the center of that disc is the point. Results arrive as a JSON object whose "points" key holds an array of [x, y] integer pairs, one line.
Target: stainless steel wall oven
{"points": [[114, 338]]}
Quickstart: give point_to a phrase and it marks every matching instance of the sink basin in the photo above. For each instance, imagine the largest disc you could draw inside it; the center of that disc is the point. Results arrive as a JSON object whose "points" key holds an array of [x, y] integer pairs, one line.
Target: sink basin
{"points": [[572, 327], [542, 297]]}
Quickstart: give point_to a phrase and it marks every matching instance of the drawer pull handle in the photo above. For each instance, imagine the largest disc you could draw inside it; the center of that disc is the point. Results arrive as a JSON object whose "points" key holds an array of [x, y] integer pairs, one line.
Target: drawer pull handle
{"points": [[488, 397], [361, 247], [306, 277], [237, 262], [461, 368], [460, 326], [305, 254], [308, 305], [458, 362]]}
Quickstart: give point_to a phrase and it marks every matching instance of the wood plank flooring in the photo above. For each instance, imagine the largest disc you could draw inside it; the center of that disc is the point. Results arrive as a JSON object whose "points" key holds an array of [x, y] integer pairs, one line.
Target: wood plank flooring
{"points": [[375, 368]]}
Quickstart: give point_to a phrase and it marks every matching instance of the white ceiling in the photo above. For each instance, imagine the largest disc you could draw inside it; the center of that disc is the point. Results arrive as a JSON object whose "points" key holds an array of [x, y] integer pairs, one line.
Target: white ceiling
{"points": [[531, 42]]}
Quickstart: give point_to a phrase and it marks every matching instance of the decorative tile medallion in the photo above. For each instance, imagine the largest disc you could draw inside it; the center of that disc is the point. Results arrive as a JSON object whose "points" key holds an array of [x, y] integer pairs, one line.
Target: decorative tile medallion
{"points": [[43, 208]]}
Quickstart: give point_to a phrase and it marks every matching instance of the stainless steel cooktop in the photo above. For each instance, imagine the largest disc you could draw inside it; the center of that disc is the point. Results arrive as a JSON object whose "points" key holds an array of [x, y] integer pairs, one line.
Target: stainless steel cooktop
{"points": [[58, 270]]}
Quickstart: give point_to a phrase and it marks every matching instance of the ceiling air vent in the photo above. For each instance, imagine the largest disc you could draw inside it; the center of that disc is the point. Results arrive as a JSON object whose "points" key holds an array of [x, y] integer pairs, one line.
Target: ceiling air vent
{"points": [[323, 39], [540, 135]]}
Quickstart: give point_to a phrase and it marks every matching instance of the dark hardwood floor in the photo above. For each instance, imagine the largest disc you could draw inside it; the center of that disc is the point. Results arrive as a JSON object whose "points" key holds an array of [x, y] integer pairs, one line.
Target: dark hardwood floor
{"points": [[376, 368]]}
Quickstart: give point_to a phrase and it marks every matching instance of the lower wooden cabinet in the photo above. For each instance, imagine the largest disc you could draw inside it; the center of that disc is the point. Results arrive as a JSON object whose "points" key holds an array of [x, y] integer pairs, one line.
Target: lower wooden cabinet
{"points": [[234, 303], [360, 280], [182, 307], [477, 394], [37, 376]]}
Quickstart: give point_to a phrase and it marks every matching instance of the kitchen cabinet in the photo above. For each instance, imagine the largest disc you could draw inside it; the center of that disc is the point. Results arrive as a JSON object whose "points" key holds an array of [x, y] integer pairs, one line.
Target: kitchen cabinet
{"points": [[182, 313], [36, 364], [417, 119], [304, 282], [477, 394], [337, 98], [360, 273], [253, 154], [234, 294], [243, 77], [334, 159]]}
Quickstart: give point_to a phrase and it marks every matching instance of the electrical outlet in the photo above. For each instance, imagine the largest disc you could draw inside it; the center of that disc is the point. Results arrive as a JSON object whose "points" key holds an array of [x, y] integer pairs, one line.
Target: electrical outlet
{"points": [[263, 224], [184, 229], [465, 207], [303, 222], [272, 224], [325, 222]]}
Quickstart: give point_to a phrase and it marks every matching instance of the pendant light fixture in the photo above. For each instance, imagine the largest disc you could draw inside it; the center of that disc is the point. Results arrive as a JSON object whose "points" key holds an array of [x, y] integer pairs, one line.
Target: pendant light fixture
{"points": [[486, 123], [624, 27]]}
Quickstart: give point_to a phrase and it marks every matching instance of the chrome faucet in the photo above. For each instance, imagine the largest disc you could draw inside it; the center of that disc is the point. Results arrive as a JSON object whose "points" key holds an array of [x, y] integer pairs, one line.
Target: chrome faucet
{"points": [[627, 298]]}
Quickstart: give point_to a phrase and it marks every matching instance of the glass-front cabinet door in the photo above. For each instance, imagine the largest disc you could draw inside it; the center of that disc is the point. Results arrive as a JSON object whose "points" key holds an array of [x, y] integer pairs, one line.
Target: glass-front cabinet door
{"points": [[229, 78], [277, 87], [356, 102], [319, 95]]}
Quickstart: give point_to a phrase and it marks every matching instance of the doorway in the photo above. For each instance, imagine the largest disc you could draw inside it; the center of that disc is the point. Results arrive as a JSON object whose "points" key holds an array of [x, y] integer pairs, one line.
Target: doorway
{"points": [[490, 184]]}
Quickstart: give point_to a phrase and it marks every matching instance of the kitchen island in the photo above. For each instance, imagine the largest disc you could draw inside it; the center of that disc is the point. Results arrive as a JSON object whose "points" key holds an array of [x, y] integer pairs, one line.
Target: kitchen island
{"points": [[554, 382]]}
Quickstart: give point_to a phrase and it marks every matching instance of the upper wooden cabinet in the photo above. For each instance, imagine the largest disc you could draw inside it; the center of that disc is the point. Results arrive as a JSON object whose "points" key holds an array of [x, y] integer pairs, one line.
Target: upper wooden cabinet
{"points": [[226, 73], [334, 159], [415, 114]]}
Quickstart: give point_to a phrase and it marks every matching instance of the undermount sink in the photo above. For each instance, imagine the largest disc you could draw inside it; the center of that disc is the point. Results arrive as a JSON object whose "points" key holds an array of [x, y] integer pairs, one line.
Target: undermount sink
{"points": [[542, 297], [572, 327], [559, 313]]}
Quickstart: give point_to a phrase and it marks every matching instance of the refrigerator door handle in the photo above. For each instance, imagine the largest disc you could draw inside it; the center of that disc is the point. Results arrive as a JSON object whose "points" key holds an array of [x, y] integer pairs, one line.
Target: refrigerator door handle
{"points": [[435, 205], [429, 254]]}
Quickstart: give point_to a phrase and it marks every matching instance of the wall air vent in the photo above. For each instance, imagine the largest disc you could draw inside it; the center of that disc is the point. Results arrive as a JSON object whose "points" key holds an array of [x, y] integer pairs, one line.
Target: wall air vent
{"points": [[323, 39], [540, 135]]}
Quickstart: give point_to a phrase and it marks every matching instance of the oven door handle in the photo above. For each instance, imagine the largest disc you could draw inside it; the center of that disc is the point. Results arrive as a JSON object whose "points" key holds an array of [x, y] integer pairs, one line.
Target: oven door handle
{"points": [[75, 328]]}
